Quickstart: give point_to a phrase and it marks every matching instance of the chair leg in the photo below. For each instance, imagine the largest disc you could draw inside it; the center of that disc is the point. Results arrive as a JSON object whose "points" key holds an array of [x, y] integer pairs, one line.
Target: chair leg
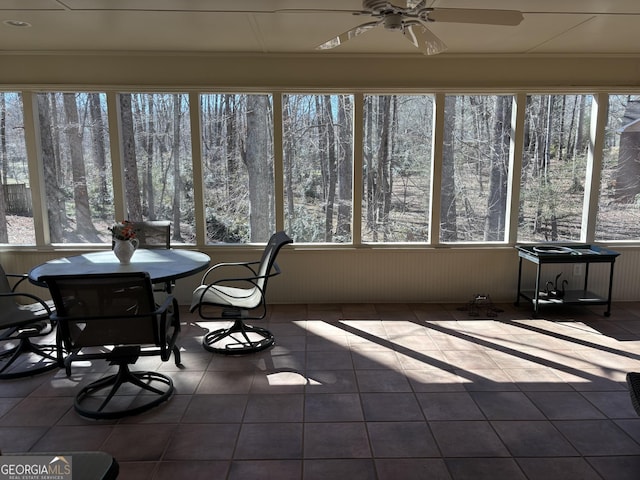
{"points": [[238, 339], [48, 359], [143, 380]]}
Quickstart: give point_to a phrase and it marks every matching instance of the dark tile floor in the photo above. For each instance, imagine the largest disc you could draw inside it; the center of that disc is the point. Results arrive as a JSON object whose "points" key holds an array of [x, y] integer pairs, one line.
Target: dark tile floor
{"points": [[370, 391]]}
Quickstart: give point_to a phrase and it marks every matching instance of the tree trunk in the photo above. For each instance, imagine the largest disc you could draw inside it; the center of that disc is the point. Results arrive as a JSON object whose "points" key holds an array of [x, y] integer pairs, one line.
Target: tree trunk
{"points": [[54, 194], [256, 159], [448, 210], [98, 130], [131, 183], [4, 159], [497, 199], [84, 222], [149, 146], [382, 196], [369, 171], [345, 172], [331, 168], [288, 156], [177, 181]]}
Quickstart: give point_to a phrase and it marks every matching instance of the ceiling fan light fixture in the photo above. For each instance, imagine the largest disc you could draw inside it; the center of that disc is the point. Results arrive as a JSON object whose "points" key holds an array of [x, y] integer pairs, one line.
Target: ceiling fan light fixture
{"points": [[393, 21]]}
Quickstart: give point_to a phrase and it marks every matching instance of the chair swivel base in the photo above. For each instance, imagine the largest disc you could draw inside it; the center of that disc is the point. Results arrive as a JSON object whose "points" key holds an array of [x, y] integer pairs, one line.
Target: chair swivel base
{"points": [[238, 339], [161, 386], [47, 362]]}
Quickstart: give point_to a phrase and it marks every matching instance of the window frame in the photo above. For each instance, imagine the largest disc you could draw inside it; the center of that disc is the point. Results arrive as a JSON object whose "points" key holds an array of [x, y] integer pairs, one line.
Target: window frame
{"points": [[597, 128]]}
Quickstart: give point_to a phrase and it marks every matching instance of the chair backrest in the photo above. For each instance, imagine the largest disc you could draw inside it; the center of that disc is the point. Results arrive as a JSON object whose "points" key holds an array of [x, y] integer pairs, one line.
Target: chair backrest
{"points": [[5, 287], [111, 309], [276, 242], [8, 304], [153, 234]]}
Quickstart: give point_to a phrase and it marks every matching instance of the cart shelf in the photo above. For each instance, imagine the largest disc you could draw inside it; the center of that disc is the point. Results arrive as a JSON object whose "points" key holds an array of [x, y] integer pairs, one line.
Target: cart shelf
{"points": [[565, 253]]}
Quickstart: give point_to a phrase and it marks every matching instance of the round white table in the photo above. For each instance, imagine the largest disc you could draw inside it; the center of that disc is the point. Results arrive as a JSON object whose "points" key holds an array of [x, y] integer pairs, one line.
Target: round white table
{"points": [[163, 265]]}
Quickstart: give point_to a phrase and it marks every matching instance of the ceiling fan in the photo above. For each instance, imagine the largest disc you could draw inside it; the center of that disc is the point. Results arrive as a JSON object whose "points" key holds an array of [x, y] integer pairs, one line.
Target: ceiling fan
{"points": [[412, 22]]}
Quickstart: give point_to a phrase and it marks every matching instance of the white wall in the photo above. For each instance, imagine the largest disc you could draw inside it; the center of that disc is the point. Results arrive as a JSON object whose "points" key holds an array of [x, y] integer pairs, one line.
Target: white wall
{"points": [[354, 275]]}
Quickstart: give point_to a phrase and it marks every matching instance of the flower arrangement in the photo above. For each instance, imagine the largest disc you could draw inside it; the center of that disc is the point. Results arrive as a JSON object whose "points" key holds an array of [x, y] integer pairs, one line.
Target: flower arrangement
{"points": [[123, 231]]}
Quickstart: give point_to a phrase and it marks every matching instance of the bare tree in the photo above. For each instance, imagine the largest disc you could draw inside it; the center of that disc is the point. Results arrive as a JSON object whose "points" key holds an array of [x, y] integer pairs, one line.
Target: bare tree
{"points": [[4, 159], [54, 194], [448, 209], [258, 167], [99, 152], [497, 199], [131, 183], [177, 181], [331, 161], [345, 174], [84, 222]]}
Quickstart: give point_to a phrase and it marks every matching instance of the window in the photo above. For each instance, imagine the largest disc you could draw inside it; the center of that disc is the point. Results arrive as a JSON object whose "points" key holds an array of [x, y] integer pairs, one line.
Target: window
{"points": [[237, 156], [619, 206], [158, 168], [315, 195], [16, 213], [554, 167], [397, 168], [475, 161], [318, 167], [77, 167]]}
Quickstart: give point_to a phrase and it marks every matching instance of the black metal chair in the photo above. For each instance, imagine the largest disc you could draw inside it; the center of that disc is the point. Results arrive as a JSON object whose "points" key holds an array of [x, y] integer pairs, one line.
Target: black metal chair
{"points": [[633, 383], [114, 317], [153, 233], [24, 317], [239, 293]]}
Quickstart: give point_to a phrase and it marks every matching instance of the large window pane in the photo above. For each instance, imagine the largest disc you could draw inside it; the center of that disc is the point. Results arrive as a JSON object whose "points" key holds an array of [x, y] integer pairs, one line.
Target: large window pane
{"points": [[554, 167], [619, 205], [237, 151], [477, 136], [16, 213], [156, 136], [318, 165], [77, 167], [397, 168]]}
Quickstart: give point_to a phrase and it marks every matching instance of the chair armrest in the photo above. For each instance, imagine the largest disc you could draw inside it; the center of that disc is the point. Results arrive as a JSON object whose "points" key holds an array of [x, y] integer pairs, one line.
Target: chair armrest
{"points": [[252, 279], [219, 266]]}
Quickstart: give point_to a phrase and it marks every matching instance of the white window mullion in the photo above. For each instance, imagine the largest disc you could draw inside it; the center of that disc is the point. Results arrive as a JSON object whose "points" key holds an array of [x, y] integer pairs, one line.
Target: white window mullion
{"points": [[36, 168], [599, 117], [515, 167], [436, 169], [195, 116], [358, 161], [278, 160], [117, 168]]}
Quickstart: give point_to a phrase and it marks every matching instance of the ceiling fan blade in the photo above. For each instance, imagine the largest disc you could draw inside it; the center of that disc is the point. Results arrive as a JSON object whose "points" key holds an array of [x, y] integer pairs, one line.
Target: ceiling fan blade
{"points": [[348, 35], [480, 16], [421, 37]]}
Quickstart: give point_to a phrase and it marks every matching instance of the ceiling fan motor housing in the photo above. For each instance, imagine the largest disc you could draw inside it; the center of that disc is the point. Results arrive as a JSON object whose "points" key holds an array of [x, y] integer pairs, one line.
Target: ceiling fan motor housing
{"points": [[379, 7]]}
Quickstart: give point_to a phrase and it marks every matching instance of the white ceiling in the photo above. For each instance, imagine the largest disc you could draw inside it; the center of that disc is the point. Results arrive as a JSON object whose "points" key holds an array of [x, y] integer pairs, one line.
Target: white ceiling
{"points": [[298, 26]]}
